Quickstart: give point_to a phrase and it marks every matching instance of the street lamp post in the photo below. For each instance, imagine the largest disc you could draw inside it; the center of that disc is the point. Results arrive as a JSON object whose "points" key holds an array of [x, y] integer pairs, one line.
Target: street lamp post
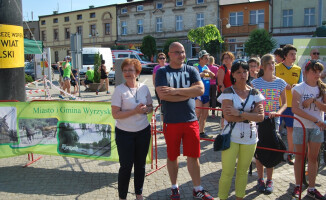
{"points": [[228, 25]]}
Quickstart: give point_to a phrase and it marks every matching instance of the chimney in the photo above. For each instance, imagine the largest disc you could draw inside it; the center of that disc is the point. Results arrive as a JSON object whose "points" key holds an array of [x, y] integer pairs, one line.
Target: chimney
{"points": [[55, 12], [91, 6]]}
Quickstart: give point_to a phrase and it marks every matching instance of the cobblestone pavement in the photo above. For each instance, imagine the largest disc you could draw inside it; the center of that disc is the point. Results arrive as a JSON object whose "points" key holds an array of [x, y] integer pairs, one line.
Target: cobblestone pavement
{"points": [[54, 177]]}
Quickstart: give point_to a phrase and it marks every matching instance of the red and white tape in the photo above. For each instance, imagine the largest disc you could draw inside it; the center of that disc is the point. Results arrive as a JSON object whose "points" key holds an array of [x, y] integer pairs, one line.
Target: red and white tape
{"points": [[33, 83], [66, 93], [34, 91]]}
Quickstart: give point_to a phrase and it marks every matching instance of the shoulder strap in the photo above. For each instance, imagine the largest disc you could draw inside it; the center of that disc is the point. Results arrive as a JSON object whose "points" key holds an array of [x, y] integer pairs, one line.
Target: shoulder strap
{"points": [[246, 99]]}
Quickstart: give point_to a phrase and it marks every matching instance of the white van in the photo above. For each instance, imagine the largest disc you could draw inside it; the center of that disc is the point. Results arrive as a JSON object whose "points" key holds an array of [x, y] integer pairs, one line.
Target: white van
{"points": [[89, 55]]}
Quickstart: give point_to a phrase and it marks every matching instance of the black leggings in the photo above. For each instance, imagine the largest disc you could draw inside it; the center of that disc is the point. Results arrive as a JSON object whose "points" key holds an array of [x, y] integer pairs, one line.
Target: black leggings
{"points": [[132, 150]]}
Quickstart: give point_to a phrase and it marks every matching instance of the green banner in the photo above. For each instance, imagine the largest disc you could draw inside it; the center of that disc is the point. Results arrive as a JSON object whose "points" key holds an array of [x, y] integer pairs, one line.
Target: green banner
{"points": [[62, 128], [305, 45]]}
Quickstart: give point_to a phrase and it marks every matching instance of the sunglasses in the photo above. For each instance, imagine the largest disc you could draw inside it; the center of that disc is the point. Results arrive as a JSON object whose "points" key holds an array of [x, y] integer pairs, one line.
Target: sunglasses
{"points": [[162, 58], [316, 53]]}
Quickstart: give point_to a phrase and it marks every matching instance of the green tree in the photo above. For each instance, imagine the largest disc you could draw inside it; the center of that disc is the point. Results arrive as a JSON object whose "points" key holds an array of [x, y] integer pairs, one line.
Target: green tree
{"points": [[167, 44], [97, 64], [259, 43], [205, 34], [148, 46]]}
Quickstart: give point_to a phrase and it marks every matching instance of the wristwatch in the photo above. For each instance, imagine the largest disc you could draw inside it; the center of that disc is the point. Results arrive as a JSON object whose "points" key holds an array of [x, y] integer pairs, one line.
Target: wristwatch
{"points": [[240, 112]]}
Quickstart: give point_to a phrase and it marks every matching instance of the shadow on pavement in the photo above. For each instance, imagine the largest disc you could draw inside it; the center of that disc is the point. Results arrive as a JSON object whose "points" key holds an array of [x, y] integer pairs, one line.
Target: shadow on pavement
{"points": [[52, 182]]}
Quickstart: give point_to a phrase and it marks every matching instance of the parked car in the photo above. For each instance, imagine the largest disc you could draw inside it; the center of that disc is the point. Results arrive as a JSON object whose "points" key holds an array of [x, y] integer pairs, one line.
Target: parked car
{"points": [[29, 69], [192, 61]]}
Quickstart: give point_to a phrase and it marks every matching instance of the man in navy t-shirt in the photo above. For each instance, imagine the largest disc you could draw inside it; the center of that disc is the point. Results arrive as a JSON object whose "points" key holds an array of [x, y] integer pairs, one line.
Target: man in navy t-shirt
{"points": [[177, 85]]}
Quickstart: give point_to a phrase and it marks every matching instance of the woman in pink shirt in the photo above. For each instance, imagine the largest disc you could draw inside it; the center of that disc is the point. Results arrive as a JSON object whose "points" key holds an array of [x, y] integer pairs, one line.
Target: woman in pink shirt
{"points": [[212, 88]]}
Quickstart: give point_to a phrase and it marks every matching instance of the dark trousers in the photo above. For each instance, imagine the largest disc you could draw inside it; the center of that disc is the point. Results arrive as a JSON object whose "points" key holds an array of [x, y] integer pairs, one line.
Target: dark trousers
{"points": [[132, 150], [212, 97]]}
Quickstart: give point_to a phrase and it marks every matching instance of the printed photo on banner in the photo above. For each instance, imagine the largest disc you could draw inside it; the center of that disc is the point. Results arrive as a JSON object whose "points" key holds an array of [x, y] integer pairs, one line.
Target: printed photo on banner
{"points": [[85, 139], [37, 131], [8, 129]]}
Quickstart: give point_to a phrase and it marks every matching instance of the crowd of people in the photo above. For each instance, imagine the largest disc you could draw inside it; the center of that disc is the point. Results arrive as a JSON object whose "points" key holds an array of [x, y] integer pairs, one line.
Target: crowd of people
{"points": [[252, 96]]}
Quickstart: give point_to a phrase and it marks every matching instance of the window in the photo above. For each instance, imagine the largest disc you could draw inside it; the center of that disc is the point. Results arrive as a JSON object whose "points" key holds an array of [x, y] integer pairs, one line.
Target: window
{"points": [[236, 18], [123, 10], [107, 28], [92, 15], [67, 33], [200, 1], [56, 56], [140, 8], [287, 18], [79, 17], [256, 16], [43, 34], [92, 30], [309, 16], [55, 20], [179, 3], [140, 28], [43, 22], [66, 19], [79, 29], [178, 23], [159, 5], [200, 19], [55, 34], [123, 28], [159, 24]]}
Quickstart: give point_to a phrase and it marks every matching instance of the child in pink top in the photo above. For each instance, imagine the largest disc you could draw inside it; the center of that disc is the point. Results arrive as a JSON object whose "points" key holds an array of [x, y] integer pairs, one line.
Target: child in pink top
{"points": [[212, 88]]}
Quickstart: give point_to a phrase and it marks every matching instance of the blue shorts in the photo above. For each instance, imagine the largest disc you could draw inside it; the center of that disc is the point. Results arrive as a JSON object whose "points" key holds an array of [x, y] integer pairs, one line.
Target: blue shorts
{"points": [[288, 120], [312, 135], [203, 99]]}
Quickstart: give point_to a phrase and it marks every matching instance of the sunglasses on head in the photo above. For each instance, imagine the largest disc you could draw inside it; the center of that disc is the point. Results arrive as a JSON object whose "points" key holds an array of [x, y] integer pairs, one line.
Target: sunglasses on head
{"points": [[316, 53], [161, 58], [311, 62]]}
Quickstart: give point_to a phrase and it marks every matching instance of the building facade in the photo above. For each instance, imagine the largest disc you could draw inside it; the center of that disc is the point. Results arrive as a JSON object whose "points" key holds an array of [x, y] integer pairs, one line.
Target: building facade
{"points": [[238, 18], [164, 19], [31, 30], [97, 26], [296, 19]]}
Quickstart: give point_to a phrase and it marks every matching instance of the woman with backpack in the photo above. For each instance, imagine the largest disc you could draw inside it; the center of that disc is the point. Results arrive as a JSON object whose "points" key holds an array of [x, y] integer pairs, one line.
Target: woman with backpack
{"points": [[273, 89]]}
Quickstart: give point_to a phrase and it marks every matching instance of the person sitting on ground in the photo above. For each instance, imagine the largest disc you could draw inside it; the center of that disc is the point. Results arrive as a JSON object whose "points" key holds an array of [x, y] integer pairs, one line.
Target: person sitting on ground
{"points": [[89, 78]]}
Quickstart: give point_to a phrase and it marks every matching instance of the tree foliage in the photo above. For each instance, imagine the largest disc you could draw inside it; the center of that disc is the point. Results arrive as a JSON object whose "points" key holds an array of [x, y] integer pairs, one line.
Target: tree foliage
{"points": [[148, 46], [97, 64], [259, 43], [167, 44], [204, 34]]}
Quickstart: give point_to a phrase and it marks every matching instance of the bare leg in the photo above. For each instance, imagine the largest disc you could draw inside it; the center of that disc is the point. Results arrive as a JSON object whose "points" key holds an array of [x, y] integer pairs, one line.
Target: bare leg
{"points": [[260, 169], [194, 170], [297, 164], [290, 137], [173, 168], [269, 173], [107, 84], [203, 118], [313, 150]]}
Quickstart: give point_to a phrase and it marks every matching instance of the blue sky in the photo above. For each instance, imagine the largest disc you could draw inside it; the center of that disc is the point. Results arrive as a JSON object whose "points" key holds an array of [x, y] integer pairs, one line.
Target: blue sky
{"points": [[46, 7]]}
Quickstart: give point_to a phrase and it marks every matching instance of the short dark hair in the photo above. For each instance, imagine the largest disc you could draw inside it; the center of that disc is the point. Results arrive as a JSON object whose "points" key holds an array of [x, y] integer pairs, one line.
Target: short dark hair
{"points": [[287, 48], [254, 59], [235, 67], [102, 62], [279, 52]]}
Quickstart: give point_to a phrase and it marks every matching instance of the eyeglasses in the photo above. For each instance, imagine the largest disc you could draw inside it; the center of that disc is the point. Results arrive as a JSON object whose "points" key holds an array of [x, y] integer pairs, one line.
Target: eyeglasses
{"points": [[162, 58], [128, 71], [316, 53], [179, 52]]}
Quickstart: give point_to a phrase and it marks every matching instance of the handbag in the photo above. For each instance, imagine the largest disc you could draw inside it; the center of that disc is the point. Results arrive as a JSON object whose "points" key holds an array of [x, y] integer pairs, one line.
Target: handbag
{"points": [[223, 142]]}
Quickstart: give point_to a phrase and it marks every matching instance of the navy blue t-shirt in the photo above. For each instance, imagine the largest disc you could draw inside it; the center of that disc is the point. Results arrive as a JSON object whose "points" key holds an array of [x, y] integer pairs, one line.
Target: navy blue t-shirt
{"points": [[183, 111]]}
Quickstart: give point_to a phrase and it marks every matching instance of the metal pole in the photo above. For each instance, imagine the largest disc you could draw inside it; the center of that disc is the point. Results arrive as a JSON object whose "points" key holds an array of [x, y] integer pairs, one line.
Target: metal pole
{"points": [[12, 73]]}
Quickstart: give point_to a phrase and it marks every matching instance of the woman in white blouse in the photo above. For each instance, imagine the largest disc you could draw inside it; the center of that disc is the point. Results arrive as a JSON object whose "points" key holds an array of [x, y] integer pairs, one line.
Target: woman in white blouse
{"points": [[131, 102], [244, 134]]}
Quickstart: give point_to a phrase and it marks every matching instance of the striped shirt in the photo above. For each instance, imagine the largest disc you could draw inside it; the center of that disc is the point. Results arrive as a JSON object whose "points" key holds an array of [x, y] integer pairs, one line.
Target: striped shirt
{"points": [[271, 91]]}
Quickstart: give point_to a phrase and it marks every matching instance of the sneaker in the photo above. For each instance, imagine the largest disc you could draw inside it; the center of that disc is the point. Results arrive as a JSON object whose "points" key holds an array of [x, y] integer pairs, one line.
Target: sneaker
{"points": [[296, 192], [107, 92], [61, 97], [290, 159], [261, 185], [203, 194], [96, 92], [269, 187], [175, 195], [72, 98], [315, 194], [204, 135]]}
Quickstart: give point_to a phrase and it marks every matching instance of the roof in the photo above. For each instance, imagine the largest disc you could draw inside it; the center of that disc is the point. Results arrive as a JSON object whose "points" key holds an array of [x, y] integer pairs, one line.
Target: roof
{"points": [[230, 2]]}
